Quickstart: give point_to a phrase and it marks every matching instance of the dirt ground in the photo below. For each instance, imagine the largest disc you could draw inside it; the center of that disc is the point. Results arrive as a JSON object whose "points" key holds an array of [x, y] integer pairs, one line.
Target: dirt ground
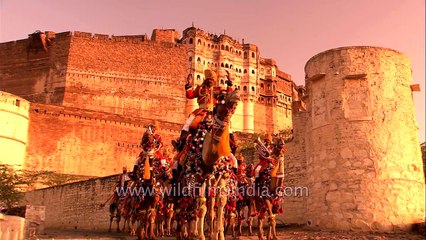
{"points": [[284, 233]]}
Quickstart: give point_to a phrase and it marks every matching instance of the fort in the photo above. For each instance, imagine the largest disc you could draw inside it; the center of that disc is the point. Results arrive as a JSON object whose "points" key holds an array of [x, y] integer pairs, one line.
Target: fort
{"points": [[90, 95], [99, 91]]}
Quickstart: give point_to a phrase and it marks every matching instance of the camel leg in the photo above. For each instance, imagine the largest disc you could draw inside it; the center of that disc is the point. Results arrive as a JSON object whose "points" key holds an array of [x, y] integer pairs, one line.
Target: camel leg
{"points": [[111, 215], [169, 221], [132, 226], [250, 217], [203, 209], [272, 222], [111, 218], [222, 199], [194, 228], [260, 225], [118, 223], [211, 216], [232, 223], [151, 220]]}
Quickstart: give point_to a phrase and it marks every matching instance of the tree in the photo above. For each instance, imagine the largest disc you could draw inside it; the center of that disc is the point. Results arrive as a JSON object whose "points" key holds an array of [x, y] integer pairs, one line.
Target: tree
{"points": [[11, 186], [13, 182]]}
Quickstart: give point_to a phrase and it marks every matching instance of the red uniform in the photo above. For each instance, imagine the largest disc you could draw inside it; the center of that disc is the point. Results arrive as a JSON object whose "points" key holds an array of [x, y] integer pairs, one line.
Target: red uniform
{"points": [[206, 96]]}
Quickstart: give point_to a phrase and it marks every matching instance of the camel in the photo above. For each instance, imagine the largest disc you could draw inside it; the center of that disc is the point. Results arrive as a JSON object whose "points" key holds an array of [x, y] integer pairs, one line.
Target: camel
{"points": [[205, 171], [268, 187]]}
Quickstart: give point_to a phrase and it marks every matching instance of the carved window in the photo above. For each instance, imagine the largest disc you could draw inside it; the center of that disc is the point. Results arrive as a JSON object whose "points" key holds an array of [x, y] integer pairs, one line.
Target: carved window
{"points": [[253, 55], [245, 55], [190, 59], [245, 70], [227, 48], [226, 65], [191, 41], [245, 88], [199, 42]]}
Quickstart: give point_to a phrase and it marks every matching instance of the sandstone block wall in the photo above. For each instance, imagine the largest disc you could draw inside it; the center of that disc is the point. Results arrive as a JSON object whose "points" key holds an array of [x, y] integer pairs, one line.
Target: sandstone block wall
{"points": [[14, 123], [140, 78], [82, 142], [37, 76], [76, 205], [364, 167], [295, 173]]}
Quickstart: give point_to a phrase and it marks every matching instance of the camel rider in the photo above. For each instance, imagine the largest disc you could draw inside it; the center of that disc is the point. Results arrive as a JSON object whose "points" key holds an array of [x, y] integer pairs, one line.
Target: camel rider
{"points": [[149, 148], [123, 178], [265, 158], [206, 95]]}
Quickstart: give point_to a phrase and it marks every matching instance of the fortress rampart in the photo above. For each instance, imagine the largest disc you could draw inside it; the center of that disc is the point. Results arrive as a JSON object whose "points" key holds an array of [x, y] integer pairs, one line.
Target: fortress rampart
{"points": [[363, 161], [14, 123], [85, 142]]}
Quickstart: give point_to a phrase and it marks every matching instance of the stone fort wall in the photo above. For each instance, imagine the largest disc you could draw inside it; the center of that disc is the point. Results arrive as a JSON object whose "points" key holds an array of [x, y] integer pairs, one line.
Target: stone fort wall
{"points": [[14, 123], [84, 142], [76, 205]]}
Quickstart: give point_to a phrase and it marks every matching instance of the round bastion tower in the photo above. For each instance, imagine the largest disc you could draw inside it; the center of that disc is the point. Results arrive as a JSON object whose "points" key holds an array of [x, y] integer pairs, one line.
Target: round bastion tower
{"points": [[14, 120], [364, 166]]}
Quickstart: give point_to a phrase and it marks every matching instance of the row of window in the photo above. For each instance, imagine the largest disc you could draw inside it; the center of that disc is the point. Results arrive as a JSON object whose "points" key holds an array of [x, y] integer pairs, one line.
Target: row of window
{"points": [[225, 65], [222, 47]]}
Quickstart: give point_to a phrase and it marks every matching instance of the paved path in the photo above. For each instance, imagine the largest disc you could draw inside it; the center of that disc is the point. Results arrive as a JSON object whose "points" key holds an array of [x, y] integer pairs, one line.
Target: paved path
{"points": [[283, 234]]}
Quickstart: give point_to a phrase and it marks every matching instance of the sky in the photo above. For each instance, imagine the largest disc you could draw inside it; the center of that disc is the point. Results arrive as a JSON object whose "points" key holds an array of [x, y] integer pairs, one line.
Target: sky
{"points": [[289, 31]]}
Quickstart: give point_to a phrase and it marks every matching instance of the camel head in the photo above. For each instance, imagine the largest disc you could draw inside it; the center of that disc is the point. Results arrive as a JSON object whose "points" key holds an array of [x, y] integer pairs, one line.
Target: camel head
{"points": [[226, 105]]}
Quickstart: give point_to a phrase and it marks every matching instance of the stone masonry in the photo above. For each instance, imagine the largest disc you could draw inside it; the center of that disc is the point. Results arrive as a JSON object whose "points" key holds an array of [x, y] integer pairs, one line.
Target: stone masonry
{"points": [[91, 94], [363, 161]]}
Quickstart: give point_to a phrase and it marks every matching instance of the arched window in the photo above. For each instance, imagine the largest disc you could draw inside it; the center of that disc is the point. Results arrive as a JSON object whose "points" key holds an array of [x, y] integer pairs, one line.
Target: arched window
{"points": [[198, 77], [230, 66], [227, 48], [221, 81], [191, 41], [208, 45], [222, 65], [226, 65], [268, 87], [199, 42], [190, 59], [245, 54], [252, 71], [245, 70], [262, 86], [245, 88], [252, 88], [222, 47], [253, 55], [199, 60]]}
